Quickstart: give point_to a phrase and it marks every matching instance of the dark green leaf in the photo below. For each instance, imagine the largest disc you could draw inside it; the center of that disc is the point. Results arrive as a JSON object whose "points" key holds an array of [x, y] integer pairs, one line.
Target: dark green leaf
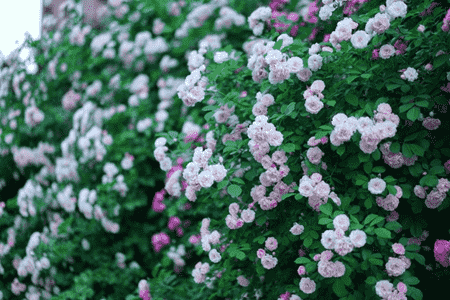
{"points": [[326, 208], [302, 260], [383, 233], [413, 114], [339, 288]]}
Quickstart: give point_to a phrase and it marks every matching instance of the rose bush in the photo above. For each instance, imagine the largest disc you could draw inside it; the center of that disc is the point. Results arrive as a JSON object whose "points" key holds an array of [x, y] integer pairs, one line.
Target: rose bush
{"points": [[220, 90]]}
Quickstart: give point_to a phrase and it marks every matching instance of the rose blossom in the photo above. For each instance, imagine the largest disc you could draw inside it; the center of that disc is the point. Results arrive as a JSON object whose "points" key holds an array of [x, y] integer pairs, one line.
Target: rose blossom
{"points": [[307, 285]]}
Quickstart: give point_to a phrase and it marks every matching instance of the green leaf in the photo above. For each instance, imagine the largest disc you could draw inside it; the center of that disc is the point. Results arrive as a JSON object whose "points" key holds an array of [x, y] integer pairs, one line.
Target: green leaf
{"points": [[414, 293], [238, 180], [413, 114], [288, 148], [371, 280], [290, 108], [278, 45], [366, 76], [412, 247], [411, 281], [331, 102], [350, 98], [377, 262], [376, 154], [339, 288], [406, 151], [341, 150], [405, 107], [326, 208], [395, 147], [320, 134], [240, 255], [440, 60], [354, 210], [209, 115], [325, 221], [420, 259], [222, 184], [393, 225], [392, 190], [368, 203], [302, 260], [368, 167], [383, 233], [259, 239], [379, 169], [429, 180], [377, 220], [62, 228], [369, 218], [308, 241], [391, 87], [234, 190], [422, 103], [405, 88], [437, 170], [416, 149], [350, 79]]}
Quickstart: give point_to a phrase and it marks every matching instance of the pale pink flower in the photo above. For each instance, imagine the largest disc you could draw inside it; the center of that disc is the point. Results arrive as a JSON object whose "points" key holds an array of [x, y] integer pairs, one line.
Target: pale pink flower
{"points": [[313, 105], [267, 99], [248, 215], [314, 155], [398, 248], [342, 222], [358, 238], [410, 74], [419, 191], [395, 266], [260, 253], [214, 256], [242, 281], [271, 243], [279, 71], [295, 64], [307, 285], [386, 51], [396, 9], [376, 186], [304, 74], [328, 239], [322, 189], [269, 262], [315, 62], [381, 23], [434, 199], [360, 39], [297, 229], [384, 288]]}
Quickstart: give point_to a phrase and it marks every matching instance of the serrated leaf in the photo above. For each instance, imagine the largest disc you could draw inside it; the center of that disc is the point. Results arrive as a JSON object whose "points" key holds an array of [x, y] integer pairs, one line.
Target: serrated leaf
{"points": [[349, 79], [234, 190], [391, 87], [405, 88], [383, 233], [368, 203], [354, 210], [366, 76], [422, 103]]}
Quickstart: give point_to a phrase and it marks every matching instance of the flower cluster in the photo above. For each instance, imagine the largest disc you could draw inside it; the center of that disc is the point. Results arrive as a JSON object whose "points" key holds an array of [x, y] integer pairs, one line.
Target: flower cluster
{"points": [[316, 190], [386, 290], [257, 18]]}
